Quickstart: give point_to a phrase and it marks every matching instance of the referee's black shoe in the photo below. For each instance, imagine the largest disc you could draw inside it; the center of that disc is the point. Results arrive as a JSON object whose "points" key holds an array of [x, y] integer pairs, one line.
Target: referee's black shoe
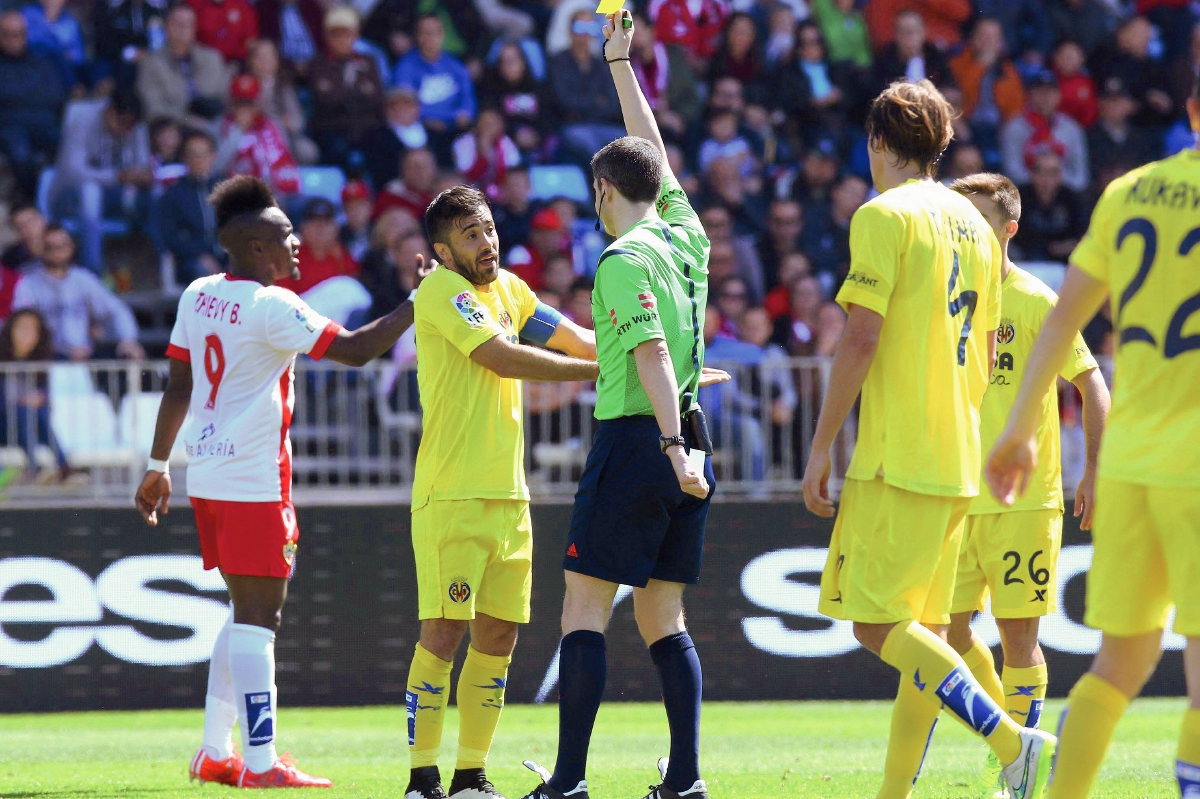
{"points": [[546, 791], [698, 790], [425, 783], [472, 783]]}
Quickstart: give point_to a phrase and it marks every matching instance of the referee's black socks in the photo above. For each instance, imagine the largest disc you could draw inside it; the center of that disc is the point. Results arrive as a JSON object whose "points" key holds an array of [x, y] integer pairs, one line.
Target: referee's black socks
{"points": [[582, 672], [682, 687]]}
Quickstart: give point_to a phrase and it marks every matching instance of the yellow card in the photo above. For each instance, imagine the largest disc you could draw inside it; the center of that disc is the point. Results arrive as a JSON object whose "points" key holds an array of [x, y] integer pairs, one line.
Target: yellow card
{"points": [[609, 6]]}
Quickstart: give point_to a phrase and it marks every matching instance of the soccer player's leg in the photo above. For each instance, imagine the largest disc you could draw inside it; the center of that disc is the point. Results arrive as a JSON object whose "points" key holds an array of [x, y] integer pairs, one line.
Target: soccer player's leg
{"points": [[970, 596], [658, 609], [1022, 563], [502, 603], [451, 556], [216, 760], [1128, 598], [891, 577]]}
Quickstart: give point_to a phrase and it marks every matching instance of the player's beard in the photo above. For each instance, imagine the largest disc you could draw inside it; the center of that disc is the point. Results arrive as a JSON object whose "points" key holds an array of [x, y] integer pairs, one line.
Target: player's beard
{"points": [[469, 267]]}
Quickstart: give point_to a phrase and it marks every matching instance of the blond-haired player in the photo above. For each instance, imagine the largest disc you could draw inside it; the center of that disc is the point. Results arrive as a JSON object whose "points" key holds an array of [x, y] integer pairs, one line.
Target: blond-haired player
{"points": [[923, 303], [1142, 249], [1011, 552]]}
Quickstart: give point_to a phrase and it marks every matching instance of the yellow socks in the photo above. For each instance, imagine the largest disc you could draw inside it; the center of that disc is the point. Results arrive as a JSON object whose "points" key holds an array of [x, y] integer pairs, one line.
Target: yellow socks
{"points": [[1084, 733], [981, 663], [1025, 693], [942, 677], [425, 699], [913, 721], [1187, 763], [480, 700]]}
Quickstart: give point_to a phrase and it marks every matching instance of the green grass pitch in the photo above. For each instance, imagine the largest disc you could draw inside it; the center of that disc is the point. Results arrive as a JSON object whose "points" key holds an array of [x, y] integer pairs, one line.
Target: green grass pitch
{"points": [[750, 750]]}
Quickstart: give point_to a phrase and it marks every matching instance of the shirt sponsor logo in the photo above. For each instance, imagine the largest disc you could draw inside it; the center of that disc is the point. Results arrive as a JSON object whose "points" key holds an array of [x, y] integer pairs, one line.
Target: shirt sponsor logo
{"points": [[468, 307], [862, 279], [648, 301], [1006, 334], [215, 449], [638, 319]]}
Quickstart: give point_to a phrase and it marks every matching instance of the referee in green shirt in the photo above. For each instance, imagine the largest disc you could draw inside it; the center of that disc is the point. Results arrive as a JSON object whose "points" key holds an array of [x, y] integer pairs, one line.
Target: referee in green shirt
{"points": [[642, 505]]}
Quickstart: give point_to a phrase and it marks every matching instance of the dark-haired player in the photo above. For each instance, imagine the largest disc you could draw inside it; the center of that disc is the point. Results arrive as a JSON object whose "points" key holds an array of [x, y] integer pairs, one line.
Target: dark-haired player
{"points": [[232, 354], [470, 509], [1142, 250], [923, 304]]}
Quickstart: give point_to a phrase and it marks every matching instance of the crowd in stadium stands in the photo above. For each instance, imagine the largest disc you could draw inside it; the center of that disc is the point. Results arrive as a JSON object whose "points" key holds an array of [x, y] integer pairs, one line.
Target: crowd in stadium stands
{"points": [[140, 106]]}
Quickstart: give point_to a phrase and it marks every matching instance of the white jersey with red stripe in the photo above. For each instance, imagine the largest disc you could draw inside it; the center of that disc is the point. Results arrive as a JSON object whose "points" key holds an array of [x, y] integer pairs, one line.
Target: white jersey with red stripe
{"points": [[241, 339]]}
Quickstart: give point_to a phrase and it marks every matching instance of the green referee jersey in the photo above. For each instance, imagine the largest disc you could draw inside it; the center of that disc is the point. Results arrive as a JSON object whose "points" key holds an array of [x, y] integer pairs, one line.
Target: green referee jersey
{"points": [[651, 283]]}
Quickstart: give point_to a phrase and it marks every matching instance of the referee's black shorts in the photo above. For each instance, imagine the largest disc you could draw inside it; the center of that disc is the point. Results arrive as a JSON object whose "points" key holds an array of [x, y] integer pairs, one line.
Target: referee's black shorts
{"points": [[631, 521]]}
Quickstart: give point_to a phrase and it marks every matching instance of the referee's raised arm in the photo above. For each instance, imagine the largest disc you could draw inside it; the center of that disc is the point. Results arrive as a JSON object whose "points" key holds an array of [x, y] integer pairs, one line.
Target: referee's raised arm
{"points": [[639, 117]]}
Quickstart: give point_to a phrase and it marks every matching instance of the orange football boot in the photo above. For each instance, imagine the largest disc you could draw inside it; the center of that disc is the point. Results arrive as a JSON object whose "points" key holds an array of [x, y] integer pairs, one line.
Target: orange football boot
{"points": [[283, 774], [224, 772]]}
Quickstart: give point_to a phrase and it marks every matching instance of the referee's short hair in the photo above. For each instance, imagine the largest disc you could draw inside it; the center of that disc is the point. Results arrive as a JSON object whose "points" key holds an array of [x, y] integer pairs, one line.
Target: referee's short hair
{"points": [[633, 165]]}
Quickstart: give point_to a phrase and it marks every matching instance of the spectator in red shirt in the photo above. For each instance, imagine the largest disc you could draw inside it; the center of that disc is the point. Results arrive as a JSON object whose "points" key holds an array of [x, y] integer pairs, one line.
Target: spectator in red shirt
{"points": [[226, 26], [413, 190], [252, 143], [695, 24], [1077, 87], [547, 239], [328, 275]]}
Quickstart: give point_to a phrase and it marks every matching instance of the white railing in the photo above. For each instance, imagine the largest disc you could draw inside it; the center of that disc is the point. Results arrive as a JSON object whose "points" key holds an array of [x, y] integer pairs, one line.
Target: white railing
{"points": [[80, 433]]}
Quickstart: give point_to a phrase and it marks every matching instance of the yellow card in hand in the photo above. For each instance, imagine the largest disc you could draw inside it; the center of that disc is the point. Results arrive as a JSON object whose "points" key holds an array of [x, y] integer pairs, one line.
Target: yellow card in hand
{"points": [[609, 6]]}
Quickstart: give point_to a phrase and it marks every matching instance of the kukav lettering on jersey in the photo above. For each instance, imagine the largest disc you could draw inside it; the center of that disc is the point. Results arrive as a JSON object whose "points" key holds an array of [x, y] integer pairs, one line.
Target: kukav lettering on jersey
{"points": [[260, 718], [468, 308]]}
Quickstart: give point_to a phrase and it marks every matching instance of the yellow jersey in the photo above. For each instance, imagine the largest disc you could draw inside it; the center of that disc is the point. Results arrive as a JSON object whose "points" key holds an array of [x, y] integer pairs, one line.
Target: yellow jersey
{"points": [[1144, 243], [923, 258], [473, 436], [1025, 302]]}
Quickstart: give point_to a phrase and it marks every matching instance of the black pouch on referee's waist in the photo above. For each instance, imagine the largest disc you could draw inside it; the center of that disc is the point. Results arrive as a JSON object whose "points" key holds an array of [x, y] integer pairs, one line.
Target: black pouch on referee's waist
{"points": [[696, 424]]}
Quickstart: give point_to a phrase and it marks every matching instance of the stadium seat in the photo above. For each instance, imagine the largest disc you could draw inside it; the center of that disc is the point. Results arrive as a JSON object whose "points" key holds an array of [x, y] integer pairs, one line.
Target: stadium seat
{"points": [[108, 227], [136, 421], [70, 379], [86, 429], [559, 180], [322, 181]]}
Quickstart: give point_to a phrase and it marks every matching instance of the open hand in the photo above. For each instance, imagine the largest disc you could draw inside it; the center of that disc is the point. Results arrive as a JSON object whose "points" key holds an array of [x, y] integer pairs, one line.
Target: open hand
{"points": [[155, 491], [710, 377]]}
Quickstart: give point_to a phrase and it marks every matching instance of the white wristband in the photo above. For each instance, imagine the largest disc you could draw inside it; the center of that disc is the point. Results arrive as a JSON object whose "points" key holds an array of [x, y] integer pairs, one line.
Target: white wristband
{"points": [[158, 466], [412, 296]]}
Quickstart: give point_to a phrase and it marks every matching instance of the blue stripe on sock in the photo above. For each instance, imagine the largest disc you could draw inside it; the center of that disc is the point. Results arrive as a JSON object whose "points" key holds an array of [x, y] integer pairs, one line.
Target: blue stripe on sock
{"points": [[967, 700]]}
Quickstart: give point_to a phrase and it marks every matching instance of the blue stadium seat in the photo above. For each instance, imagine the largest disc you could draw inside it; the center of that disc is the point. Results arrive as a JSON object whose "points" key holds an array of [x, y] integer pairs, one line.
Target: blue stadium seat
{"points": [[560, 180], [108, 227], [322, 181]]}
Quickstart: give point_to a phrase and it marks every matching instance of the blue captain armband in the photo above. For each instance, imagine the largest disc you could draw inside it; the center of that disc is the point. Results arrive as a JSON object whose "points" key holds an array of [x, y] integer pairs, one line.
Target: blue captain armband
{"points": [[541, 326]]}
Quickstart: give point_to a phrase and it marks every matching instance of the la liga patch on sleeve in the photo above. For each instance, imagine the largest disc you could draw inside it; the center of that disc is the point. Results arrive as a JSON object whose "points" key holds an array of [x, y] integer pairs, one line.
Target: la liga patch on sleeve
{"points": [[468, 307]]}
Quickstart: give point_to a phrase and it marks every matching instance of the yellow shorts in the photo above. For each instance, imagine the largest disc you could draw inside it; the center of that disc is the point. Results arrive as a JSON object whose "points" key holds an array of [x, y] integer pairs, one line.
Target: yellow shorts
{"points": [[1014, 557], [892, 556], [473, 556], [1146, 559]]}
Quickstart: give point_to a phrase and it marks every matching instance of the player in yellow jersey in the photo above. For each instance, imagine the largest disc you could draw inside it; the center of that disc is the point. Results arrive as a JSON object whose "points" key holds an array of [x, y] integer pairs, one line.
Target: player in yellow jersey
{"points": [[923, 304], [470, 509], [1142, 249], [1011, 552]]}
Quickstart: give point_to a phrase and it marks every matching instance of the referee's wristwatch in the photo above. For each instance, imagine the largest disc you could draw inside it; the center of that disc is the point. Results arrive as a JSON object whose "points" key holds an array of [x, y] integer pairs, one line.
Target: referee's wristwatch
{"points": [[666, 442]]}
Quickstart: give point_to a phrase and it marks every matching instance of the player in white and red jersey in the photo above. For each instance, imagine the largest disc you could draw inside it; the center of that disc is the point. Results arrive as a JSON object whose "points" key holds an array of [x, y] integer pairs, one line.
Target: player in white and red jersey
{"points": [[233, 351]]}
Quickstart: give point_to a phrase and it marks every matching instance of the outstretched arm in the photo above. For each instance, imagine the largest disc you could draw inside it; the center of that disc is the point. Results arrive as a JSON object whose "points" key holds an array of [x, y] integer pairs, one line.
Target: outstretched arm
{"points": [[360, 347], [639, 118], [530, 363]]}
